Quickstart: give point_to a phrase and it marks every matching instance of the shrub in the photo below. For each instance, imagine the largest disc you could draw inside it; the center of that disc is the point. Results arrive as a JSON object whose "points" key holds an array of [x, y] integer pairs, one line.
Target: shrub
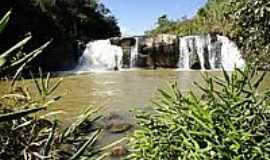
{"points": [[231, 121], [251, 29]]}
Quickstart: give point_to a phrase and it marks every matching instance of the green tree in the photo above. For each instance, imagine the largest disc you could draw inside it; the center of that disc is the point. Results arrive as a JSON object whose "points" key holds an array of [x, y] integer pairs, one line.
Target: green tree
{"points": [[65, 21], [251, 29]]}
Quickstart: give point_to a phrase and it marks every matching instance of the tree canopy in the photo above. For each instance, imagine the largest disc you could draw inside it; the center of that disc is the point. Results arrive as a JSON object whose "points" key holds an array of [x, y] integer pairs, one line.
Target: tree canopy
{"points": [[64, 21]]}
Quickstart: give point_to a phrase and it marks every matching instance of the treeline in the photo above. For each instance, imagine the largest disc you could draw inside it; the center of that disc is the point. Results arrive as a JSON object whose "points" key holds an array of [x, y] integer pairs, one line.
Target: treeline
{"points": [[209, 17], [244, 21], [64, 21]]}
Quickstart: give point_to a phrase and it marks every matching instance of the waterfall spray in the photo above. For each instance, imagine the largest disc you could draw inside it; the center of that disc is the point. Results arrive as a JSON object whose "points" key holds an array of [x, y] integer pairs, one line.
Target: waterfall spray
{"points": [[101, 55], [199, 51]]}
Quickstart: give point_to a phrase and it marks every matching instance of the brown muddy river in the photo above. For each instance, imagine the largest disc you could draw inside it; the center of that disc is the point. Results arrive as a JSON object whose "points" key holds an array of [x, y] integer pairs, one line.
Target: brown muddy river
{"points": [[117, 92]]}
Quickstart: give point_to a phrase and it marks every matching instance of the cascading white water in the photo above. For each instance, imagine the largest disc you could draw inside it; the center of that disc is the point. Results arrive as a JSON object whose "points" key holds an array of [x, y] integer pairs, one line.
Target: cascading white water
{"points": [[231, 56], [134, 53], [101, 55], [196, 52], [209, 55]]}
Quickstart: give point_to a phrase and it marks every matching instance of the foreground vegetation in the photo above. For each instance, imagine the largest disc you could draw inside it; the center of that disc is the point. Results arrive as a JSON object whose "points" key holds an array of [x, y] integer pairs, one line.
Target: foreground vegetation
{"points": [[26, 132], [230, 121]]}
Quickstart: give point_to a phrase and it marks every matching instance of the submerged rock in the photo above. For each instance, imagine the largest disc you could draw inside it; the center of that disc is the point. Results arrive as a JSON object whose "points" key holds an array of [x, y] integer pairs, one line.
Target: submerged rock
{"points": [[118, 127], [115, 124], [119, 151]]}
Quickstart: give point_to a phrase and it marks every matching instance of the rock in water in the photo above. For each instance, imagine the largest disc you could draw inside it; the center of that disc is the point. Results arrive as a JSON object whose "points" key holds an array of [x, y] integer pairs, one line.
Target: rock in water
{"points": [[119, 151], [115, 124], [118, 127]]}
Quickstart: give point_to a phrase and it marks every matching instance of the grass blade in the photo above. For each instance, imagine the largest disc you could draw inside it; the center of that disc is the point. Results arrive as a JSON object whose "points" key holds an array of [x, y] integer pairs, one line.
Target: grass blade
{"points": [[19, 114]]}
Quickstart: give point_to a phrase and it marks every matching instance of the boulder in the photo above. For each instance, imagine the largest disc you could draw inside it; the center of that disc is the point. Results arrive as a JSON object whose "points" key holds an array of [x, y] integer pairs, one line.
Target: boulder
{"points": [[114, 123], [119, 151]]}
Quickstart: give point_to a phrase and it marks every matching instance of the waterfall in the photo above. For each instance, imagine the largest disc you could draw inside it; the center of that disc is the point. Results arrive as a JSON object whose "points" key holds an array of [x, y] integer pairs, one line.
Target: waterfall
{"points": [[195, 52], [101, 55], [231, 55], [200, 52], [134, 53]]}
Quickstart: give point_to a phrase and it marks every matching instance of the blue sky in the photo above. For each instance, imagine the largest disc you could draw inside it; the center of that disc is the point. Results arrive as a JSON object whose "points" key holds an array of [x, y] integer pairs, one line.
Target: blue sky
{"points": [[136, 16]]}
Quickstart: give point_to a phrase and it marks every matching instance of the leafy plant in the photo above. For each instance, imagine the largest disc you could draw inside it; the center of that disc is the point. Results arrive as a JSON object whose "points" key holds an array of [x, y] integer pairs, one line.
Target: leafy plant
{"points": [[230, 121], [251, 29], [43, 85]]}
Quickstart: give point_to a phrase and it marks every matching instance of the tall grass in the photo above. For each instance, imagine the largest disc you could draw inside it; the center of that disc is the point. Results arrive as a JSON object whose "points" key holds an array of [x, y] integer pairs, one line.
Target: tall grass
{"points": [[231, 121]]}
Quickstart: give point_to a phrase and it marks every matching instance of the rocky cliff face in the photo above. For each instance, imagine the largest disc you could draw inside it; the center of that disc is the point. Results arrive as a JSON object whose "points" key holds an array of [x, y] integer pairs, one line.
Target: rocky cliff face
{"points": [[209, 51], [158, 51], [162, 50]]}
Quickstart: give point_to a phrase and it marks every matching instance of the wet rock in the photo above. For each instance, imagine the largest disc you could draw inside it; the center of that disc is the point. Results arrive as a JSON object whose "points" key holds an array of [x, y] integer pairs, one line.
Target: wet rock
{"points": [[119, 151], [216, 48], [194, 60], [205, 97], [115, 124], [115, 41], [206, 57], [162, 51], [118, 127], [128, 41]]}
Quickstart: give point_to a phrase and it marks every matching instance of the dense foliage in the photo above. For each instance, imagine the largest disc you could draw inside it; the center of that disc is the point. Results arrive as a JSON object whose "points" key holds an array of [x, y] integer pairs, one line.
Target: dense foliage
{"points": [[64, 21], [230, 121], [209, 17], [251, 29]]}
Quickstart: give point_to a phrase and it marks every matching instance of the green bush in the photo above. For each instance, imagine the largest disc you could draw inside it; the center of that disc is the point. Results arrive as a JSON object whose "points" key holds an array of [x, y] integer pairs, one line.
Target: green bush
{"points": [[251, 29], [230, 121]]}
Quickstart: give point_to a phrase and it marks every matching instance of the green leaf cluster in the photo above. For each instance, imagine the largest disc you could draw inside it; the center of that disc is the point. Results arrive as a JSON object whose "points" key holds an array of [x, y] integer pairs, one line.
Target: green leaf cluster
{"points": [[230, 121], [251, 29]]}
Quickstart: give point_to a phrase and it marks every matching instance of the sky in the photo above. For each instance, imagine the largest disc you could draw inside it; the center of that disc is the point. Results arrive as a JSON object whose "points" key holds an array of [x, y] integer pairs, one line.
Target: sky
{"points": [[137, 16]]}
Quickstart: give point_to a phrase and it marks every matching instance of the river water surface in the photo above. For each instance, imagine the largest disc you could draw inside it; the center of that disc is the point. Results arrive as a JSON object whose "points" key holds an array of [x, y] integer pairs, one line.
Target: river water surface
{"points": [[118, 92]]}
